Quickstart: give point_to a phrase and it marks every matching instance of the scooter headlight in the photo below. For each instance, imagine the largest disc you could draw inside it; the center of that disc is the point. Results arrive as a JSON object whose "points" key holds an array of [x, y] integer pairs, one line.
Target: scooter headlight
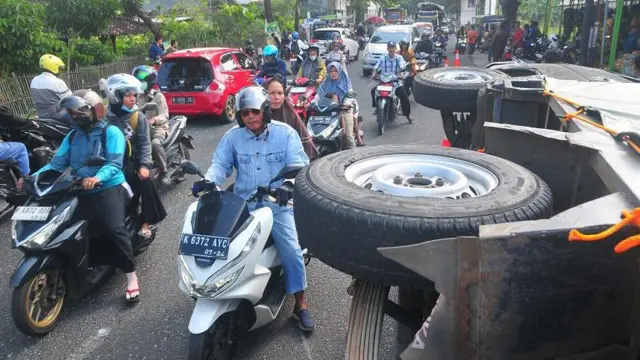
{"points": [[39, 237], [220, 280], [324, 134]]}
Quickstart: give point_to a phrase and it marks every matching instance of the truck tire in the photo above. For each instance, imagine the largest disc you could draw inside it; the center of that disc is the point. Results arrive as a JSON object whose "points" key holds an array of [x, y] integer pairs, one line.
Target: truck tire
{"points": [[452, 88], [343, 223]]}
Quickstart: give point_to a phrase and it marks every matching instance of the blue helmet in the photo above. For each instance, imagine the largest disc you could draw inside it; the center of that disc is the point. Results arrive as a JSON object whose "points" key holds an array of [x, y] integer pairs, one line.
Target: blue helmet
{"points": [[295, 35], [270, 50]]}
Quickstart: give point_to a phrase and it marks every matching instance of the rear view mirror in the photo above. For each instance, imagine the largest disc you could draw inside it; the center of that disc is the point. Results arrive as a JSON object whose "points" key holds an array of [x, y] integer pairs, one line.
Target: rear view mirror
{"points": [[351, 94], [150, 106], [191, 168], [288, 172], [95, 161]]}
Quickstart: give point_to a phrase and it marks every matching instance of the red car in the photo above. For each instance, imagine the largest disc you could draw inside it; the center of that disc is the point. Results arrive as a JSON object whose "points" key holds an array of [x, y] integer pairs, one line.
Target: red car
{"points": [[204, 81]]}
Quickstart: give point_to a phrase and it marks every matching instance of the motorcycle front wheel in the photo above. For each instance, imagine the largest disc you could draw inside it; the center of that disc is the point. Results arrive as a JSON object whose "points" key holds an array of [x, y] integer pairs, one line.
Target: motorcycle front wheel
{"points": [[381, 116], [218, 342], [36, 306]]}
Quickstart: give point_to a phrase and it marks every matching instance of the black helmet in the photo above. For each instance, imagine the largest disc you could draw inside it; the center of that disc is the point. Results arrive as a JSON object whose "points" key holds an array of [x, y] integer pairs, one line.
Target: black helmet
{"points": [[403, 42], [253, 97], [425, 35], [75, 104], [248, 42]]}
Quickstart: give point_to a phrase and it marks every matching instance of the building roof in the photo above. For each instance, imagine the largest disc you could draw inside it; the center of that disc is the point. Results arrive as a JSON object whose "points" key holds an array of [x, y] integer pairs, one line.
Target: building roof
{"points": [[126, 26]]}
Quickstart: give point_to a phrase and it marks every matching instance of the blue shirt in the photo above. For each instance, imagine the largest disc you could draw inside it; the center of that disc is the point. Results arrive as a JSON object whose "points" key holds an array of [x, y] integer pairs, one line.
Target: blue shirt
{"points": [[269, 69], [257, 159], [155, 52], [387, 65], [84, 145]]}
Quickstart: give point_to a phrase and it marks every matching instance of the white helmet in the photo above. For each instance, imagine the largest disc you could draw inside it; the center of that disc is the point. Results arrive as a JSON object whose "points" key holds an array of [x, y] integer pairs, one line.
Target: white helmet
{"points": [[116, 86]]}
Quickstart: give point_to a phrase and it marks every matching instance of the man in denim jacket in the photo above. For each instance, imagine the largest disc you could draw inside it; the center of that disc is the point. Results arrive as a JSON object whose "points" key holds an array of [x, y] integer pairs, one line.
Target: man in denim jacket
{"points": [[259, 149]]}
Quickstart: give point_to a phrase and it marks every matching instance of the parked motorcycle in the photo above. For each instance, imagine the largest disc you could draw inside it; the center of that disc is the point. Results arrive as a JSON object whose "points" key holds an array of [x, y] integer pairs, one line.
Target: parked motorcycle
{"points": [[461, 45], [387, 102], [57, 264], [301, 95], [230, 265], [325, 126], [176, 146]]}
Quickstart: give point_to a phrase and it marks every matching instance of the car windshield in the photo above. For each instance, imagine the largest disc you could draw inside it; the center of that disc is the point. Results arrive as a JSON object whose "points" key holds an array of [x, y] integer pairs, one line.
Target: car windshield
{"points": [[185, 74], [324, 35], [383, 37]]}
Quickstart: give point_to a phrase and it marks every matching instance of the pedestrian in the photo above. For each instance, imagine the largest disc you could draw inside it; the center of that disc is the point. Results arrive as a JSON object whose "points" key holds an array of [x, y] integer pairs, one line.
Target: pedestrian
{"points": [[172, 48], [156, 52], [472, 37], [488, 41], [499, 42]]}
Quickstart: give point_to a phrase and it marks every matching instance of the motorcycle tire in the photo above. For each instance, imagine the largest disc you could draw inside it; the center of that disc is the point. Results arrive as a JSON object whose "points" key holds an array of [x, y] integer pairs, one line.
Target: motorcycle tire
{"points": [[201, 346], [380, 116], [20, 312], [451, 95], [359, 221]]}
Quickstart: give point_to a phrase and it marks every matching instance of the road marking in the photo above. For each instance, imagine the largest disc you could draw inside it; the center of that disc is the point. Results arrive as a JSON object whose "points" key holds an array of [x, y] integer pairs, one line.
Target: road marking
{"points": [[307, 346]]}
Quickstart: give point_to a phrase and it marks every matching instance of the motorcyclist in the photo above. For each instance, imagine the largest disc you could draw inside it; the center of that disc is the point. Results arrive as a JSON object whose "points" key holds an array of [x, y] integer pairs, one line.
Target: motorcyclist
{"points": [[410, 58], [339, 84], [440, 37], [272, 65], [335, 54], [106, 193], [16, 151], [392, 64], [298, 47], [249, 48], [279, 146], [360, 31], [47, 89], [158, 119], [122, 91], [312, 67], [425, 44]]}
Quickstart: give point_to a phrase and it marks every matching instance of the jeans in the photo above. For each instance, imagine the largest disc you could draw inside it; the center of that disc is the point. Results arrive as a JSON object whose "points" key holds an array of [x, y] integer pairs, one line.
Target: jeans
{"points": [[400, 93], [18, 152], [285, 237], [158, 153], [489, 54]]}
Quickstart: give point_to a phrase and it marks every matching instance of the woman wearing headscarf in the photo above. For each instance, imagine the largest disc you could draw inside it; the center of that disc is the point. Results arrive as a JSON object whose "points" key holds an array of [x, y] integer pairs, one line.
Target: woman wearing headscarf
{"points": [[338, 83], [282, 110]]}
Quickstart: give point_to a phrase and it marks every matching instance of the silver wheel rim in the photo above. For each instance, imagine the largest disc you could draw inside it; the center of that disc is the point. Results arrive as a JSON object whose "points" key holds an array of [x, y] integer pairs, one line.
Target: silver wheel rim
{"points": [[413, 176], [467, 76], [231, 111]]}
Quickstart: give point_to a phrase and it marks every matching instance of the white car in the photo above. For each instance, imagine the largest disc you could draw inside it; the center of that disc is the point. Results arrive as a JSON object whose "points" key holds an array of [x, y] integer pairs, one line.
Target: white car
{"points": [[377, 45], [323, 37]]}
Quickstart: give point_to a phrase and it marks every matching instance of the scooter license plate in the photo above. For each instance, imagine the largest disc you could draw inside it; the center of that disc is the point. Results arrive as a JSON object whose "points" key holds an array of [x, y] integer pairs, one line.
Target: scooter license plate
{"points": [[213, 247], [324, 120], [31, 213], [298, 89], [384, 88], [294, 59]]}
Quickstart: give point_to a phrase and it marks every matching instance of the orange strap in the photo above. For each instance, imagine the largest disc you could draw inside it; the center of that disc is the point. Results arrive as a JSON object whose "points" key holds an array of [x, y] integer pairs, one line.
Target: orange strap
{"points": [[577, 116], [628, 218]]}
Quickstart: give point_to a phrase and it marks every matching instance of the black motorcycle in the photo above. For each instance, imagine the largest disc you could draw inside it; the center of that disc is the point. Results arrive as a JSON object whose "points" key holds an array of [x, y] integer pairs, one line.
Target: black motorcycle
{"points": [[176, 146], [57, 264], [324, 123]]}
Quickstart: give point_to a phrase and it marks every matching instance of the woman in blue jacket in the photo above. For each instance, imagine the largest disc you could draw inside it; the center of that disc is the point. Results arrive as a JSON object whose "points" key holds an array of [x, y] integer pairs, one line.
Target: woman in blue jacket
{"points": [[103, 205]]}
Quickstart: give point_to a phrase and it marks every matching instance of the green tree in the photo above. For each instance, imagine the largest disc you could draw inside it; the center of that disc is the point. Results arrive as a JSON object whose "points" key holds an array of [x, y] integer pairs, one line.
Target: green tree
{"points": [[81, 18], [24, 38]]}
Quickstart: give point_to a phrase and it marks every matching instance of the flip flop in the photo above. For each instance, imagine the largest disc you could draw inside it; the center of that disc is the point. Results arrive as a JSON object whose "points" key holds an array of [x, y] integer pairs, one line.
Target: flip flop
{"points": [[132, 295], [146, 234]]}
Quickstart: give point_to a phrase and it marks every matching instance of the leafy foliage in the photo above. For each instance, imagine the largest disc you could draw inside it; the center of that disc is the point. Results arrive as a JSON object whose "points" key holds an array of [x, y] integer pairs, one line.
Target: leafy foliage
{"points": [[81, 17], [24, 39]]}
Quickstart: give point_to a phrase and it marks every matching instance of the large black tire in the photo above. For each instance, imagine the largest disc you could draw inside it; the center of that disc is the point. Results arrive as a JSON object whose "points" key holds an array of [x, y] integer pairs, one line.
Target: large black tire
{"points": [[450, 96], [457, 128], [343, 224], [365, 320]]}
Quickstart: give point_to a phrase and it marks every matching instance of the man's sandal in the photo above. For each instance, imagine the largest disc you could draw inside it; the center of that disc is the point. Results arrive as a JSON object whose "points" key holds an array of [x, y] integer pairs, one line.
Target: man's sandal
{"points": [[132, 295]]}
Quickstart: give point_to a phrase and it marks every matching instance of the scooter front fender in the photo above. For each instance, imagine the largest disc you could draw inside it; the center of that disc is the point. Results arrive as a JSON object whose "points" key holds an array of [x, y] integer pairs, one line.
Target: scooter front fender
{"points": [[207, 311], [29, 266]]}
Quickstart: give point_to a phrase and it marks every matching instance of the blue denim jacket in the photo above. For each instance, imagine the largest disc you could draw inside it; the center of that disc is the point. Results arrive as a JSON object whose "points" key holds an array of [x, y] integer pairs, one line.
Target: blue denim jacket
{"points": [[257, 159]]}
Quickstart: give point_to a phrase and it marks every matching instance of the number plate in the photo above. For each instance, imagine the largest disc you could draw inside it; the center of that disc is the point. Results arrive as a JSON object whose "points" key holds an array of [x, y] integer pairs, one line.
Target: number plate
{"points": [[385, 88], [321, 120], [183, 100], [298, 89], [213, 247], [294, 59], [31, 213]]}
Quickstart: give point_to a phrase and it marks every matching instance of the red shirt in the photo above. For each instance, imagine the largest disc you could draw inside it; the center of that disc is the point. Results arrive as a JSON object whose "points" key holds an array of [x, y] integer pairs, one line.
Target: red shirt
{"points": [[472, 36], [518, 33]]}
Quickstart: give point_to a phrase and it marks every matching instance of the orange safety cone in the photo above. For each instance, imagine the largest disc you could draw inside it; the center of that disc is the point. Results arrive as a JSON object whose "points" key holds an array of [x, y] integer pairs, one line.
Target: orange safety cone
{"points": [[446, 142], [456, 61], [446, 61]]}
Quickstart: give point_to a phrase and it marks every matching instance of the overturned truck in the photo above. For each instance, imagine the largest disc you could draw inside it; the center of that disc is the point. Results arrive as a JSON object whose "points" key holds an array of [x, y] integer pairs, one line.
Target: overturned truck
{"points": [[485, 235]]}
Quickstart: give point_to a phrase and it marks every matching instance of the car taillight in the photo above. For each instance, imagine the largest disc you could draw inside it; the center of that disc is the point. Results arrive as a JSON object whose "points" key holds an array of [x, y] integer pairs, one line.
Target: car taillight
{"points": [[214, 86]]}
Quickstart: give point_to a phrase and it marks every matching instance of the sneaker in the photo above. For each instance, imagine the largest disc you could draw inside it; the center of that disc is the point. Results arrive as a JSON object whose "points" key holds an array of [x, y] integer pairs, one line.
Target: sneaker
{"points": [[410, 119], [306, 321], [165, 180]]}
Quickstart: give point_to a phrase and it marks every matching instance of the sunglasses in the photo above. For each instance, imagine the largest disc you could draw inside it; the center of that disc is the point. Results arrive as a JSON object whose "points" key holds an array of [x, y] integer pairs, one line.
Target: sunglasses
{"points": [[246, 112]]}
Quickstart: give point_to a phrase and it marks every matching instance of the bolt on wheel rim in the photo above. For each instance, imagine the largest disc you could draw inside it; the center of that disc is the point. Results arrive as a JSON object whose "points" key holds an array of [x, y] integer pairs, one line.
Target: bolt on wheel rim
{"points": [[422, 176], [467, 76]]}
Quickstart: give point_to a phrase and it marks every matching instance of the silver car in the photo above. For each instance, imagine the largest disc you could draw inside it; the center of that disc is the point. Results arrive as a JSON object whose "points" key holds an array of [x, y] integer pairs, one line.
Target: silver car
{"points": [[377, 45]]}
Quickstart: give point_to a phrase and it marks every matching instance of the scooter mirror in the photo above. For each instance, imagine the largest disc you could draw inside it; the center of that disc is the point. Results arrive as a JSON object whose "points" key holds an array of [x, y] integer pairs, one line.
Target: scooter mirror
{"points": [[150, 106], [95, 161], [288, 172], [191, 168]]}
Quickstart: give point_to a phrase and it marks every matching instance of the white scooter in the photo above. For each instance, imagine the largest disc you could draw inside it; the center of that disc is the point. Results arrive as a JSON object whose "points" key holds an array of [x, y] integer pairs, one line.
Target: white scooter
{"points": [[229, 264]]}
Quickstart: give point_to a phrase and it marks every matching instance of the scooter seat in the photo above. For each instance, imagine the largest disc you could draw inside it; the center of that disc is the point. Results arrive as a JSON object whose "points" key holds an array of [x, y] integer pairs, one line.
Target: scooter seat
{"points": [[176, 123]]}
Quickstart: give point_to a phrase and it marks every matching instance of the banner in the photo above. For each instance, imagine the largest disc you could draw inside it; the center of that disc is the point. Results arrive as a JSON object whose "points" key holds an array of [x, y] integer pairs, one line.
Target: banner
{"points": [[271, 28]]}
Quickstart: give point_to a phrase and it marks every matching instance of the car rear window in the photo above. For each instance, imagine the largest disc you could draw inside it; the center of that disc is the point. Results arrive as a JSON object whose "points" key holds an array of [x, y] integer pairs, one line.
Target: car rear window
{"points": [[185, 74], [383, 37], [324, 35]]}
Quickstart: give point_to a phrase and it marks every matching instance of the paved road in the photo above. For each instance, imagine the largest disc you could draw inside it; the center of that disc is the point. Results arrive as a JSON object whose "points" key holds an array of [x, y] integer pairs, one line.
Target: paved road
{"points": [[101, 327]]}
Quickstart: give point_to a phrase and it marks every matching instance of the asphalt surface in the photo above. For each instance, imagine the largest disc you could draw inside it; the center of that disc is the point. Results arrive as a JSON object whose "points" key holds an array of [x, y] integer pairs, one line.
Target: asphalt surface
{"points": [[100, 326]]}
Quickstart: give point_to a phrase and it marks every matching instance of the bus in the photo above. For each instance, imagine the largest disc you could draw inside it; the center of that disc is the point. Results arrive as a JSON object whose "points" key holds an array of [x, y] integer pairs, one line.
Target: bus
{"points": [[430, 12]]}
